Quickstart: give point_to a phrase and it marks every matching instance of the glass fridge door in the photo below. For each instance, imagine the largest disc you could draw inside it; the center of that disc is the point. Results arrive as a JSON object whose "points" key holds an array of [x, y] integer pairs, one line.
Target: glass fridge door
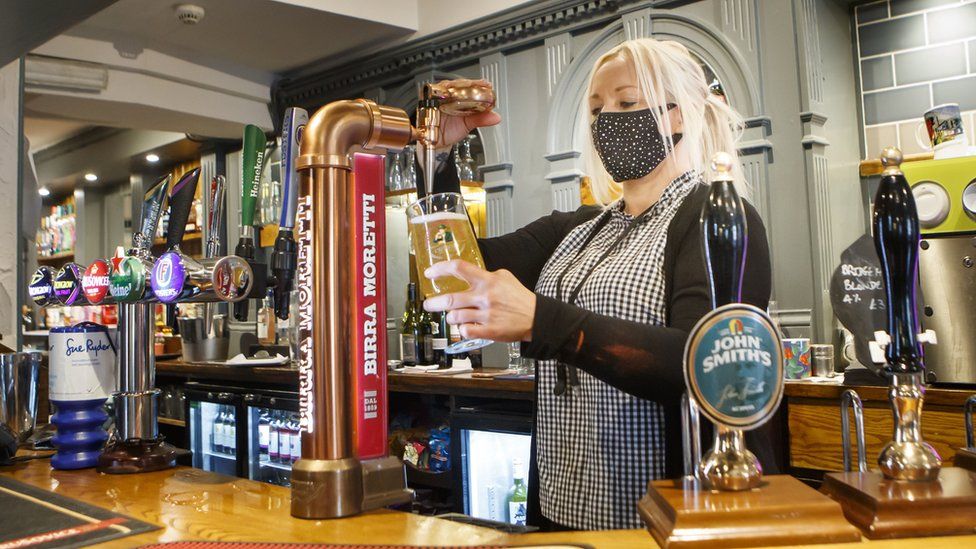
{"points": [[213, 436], [274, 438], [491, 461]]}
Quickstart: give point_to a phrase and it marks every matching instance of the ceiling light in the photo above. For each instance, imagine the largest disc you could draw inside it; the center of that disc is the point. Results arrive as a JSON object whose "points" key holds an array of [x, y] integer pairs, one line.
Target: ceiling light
{"points": [[91, 177], [152, 158], [43, 191]]}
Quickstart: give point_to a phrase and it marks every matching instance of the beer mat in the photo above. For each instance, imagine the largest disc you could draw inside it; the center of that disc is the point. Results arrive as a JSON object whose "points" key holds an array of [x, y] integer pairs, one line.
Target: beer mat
{"points": [[37, 518], [269, 545]]}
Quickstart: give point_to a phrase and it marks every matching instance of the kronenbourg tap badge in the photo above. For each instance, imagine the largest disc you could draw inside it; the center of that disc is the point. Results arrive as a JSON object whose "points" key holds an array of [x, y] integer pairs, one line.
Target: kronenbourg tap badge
{"points": [[734, 366]]}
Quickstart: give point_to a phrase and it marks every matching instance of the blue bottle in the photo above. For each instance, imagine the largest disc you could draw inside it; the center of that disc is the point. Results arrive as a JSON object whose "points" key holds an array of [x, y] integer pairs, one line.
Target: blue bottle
{"points": [[82, 377]]}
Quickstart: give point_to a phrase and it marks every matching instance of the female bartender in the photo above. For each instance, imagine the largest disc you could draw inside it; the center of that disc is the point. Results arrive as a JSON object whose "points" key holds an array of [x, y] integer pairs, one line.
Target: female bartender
{"points": [[604, 297]]}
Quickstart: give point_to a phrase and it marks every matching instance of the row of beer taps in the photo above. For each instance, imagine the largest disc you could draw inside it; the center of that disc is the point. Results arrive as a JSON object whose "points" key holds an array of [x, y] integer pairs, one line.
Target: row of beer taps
{"points": [[136, 276]]}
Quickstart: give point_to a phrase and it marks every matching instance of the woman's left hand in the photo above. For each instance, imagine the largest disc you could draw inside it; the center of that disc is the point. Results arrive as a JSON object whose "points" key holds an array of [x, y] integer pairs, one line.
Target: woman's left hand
{"points": [[496, 306]]}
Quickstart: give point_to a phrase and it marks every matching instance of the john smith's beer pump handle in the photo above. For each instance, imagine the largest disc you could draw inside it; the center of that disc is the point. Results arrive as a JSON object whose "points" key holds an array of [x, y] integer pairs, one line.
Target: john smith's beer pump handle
{"points": [[180, 202], [896, 238], [724, 240]]}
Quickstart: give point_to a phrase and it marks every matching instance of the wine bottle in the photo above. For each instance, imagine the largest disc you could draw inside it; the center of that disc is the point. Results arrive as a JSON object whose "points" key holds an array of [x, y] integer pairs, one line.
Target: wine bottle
{"points": [[518, 496], [408, 333]]}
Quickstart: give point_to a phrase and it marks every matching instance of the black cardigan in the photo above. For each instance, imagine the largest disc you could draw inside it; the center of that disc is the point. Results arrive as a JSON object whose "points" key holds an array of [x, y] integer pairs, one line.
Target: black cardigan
{"points": [[641, 359]]}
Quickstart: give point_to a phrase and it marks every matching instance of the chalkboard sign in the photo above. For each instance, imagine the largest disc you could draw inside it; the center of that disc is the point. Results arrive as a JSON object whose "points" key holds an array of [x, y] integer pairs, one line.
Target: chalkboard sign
{"points": [[857, 295]]}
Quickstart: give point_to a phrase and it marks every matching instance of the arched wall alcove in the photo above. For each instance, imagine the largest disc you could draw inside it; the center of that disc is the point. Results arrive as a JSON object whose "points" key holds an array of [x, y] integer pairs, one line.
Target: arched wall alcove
{"points": [[566, 130]]}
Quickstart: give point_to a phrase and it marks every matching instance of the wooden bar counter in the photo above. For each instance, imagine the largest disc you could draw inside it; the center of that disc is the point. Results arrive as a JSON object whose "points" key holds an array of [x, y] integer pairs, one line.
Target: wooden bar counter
{"points": [[190, 504], [814, 423]]}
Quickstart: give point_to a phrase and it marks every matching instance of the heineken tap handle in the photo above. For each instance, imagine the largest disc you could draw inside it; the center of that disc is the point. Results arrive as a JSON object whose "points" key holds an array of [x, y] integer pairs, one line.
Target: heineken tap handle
{"points": [[896, 238], [725, 236], [180, 202], [252, 162]]}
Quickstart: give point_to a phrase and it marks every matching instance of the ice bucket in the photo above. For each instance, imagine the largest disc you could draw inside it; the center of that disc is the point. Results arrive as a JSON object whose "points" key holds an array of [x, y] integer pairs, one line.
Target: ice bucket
{"points": [[18, 392]]}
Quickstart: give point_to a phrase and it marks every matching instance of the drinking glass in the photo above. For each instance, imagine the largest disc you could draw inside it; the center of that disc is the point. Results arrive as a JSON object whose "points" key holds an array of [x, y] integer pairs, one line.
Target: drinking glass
{"points": [[440, 231]]}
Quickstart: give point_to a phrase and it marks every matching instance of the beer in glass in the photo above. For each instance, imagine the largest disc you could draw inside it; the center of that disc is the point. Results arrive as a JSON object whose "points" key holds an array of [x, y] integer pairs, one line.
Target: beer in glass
{"points": [[440, 231]]}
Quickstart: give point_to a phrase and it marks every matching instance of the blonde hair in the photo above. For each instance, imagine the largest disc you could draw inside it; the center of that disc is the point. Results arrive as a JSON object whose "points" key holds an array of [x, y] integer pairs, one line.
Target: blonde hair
{"points": [[668, 73]]}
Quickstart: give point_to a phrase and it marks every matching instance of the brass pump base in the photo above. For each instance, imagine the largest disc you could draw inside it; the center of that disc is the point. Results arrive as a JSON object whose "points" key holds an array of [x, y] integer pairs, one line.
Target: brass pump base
{"points": [[730, 466], [384, 483], [326, 489]]}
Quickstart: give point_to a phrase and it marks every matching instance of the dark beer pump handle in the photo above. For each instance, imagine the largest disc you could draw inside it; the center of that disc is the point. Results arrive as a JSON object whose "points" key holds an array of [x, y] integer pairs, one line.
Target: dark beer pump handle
{"points": [[284, 263], [180, 202], [896, 238], [724, 234], [244, 249]]}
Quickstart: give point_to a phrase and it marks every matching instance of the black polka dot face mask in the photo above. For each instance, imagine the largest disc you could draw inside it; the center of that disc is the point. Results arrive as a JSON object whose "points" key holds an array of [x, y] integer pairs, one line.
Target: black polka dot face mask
{"points": [[629, 143]]}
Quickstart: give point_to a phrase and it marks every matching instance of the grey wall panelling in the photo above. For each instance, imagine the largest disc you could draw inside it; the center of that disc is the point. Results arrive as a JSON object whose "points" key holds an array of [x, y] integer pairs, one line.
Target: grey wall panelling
{"points": [[785, 65]]}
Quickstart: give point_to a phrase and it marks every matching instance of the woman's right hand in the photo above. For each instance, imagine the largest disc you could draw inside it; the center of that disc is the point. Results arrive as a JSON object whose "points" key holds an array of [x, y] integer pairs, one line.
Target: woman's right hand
{"points": [[455, 128]]}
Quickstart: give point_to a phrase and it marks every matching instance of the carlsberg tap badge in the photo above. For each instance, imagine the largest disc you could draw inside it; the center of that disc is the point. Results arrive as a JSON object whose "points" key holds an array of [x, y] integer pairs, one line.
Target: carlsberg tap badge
{"points": [[734, 366]]}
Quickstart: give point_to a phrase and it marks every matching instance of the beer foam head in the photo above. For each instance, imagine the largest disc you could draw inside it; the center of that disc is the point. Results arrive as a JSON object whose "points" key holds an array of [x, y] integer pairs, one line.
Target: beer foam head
{"points": [[439, 216]]}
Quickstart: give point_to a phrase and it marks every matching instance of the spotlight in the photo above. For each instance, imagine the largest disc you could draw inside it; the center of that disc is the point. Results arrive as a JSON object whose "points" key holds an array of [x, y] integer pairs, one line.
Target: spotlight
{"points": [[91, 177], [152, 158], [43, 191]]}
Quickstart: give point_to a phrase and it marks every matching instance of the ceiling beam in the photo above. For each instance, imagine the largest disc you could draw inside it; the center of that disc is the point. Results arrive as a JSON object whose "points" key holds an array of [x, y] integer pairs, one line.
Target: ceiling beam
{"points": [[26, 25]]}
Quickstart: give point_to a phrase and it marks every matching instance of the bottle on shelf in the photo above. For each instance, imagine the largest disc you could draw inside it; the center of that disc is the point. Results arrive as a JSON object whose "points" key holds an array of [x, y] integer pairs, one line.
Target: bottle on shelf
{"points": [[439, 336], [284, 441], [274, 440], [219, 431], [410, 343], [518, 495], [425, 349], [264, 435], [230, 432], [215, 434], [266, 320], [296, 439]]}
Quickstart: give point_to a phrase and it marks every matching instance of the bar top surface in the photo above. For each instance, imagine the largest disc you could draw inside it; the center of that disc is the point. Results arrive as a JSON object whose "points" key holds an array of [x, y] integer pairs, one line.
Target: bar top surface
{"points": [[190, 504]]}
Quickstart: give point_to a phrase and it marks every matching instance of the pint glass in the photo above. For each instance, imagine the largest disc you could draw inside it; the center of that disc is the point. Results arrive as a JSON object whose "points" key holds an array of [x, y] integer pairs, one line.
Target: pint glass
{"points": [[440, 231]]}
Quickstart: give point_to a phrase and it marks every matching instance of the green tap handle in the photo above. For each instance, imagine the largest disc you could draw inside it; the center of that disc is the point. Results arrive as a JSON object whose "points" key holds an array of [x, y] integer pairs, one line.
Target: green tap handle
{"points": [[252, 160]]}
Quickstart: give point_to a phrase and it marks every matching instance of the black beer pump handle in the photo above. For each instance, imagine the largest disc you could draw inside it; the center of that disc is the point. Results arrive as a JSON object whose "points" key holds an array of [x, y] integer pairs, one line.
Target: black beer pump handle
{"points": [[896, 238], [724, 234], [180, 202]]}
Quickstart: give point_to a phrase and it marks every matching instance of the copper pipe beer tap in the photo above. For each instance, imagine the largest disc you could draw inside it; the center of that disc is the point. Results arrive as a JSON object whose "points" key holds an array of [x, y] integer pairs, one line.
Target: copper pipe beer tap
{"points": [[455, 98], [329, 480]]}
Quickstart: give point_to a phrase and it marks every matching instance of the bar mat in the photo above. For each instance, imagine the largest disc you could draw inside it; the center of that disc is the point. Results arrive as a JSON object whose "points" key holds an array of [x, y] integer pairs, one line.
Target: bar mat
{"points": [[40, 519], [239, 545]]}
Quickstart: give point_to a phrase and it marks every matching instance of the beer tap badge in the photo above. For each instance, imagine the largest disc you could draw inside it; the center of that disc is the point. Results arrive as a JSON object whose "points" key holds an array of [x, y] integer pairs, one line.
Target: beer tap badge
{"points": [[67, 284], [734, 366], [41, 287], [95, 281], [127, 282], [168, 277]]}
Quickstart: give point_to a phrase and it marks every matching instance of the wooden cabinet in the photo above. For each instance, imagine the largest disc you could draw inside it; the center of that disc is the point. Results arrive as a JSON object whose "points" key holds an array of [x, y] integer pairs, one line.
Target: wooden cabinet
{"points": [[813, 413]]}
